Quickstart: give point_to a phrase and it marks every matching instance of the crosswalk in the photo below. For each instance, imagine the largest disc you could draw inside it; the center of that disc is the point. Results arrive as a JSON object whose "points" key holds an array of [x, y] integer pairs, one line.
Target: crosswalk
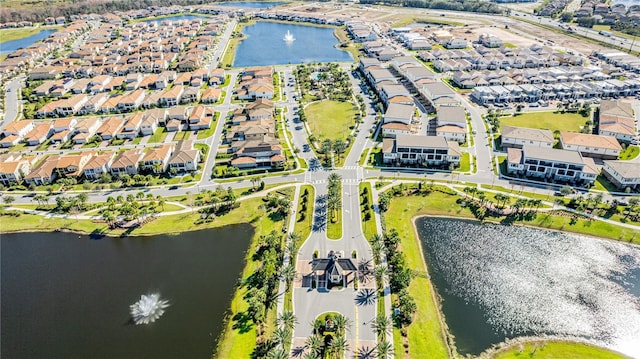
{"points": [[348, 180]]}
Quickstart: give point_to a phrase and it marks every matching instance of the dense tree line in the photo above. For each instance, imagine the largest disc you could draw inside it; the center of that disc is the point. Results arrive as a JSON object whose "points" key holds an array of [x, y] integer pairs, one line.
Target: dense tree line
{"points": [[76, 7], [456, 5]]}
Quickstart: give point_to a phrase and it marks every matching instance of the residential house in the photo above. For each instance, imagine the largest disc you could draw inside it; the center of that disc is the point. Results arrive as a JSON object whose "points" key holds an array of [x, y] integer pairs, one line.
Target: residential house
{"points": [[551, 164], [156, 159], [428, 151], [72, 105], [617, 119], [397, 119], [126, 162], [264, 152], [98, 165], [85, 129], [109, 128], [591, 145], [131, 101], [71, 165], [39, 134], [625, 175], [185, 158], [172, 96], [13, 169], [131, 128], [18, 128], [44, 172], [452, 123], [518, 137]]}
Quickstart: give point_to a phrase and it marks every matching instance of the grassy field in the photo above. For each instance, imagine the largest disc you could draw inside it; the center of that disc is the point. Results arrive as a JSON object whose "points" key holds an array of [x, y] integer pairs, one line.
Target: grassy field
{"points": [[630, 153], [330, 119], [21, 33], [546, 120], [334, 228], [556, 350], [425, 334]]}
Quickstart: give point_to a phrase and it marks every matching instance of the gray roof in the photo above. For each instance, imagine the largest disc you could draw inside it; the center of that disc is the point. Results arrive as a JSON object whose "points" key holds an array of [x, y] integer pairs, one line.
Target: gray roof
{"points": [[421, 141], [398, 110], [525, 133], [438, 89], [452, 114], [380, 74], [625, 169], [552, 154]]}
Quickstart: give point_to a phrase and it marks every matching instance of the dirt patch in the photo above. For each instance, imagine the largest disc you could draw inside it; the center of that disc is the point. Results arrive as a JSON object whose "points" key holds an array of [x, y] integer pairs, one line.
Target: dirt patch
{"points": [[472, 34]]}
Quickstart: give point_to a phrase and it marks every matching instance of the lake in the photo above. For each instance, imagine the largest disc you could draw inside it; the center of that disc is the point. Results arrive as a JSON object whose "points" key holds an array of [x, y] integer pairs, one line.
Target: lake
{"points": [[250, 4], [499, 282], [265, 45], [11, 46], [68, 296]]}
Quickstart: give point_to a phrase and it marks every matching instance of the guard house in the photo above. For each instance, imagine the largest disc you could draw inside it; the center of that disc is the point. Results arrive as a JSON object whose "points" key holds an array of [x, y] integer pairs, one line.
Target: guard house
{"points": [[334, 270]]}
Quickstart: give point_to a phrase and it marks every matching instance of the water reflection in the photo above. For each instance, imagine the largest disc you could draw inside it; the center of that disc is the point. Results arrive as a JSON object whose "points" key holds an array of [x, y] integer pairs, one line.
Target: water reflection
{"points": [[499, 282]]}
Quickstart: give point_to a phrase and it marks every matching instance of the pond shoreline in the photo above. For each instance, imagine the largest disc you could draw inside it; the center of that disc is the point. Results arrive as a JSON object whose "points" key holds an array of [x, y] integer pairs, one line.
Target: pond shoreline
{"points": [[509, 343]]}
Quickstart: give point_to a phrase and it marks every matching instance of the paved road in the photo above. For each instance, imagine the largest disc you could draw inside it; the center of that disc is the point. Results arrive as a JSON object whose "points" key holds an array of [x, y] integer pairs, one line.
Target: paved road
{"points": [[12, 107]]}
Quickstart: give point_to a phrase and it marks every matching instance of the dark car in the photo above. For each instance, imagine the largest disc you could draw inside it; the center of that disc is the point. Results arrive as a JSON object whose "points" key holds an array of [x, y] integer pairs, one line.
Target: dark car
{"points": [[173, 187], [306, 148]]}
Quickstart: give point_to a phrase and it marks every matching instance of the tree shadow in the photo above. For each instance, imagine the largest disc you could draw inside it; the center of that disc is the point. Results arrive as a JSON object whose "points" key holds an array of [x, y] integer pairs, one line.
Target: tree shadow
{"points": [[366, 297], [366, 353], [297, 352], [243, 322]]}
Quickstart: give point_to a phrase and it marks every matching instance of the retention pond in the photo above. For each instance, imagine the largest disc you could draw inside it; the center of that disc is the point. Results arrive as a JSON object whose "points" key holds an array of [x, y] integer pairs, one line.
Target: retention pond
{"points": [[499, 282], [68, 296]]}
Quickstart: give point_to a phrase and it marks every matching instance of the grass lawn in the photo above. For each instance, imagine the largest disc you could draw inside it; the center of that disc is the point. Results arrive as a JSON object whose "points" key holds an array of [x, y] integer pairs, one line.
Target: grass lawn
{"points": [[368, 226], [136, 140], [629, 153], [182, 135], [603, 184], [556, 350], [330, 119], [303, 225], [158, 136], [546, 120], [202, 134], [21, 33], [465, 163]]}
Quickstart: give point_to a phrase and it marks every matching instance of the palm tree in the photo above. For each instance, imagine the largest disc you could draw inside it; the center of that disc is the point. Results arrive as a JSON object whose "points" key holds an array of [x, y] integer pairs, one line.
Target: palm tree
{"points": [[282, 336], [341, 323], [277, 353], [287, 319], [379, 272], [8, 199], [315, 344], [288, 274], [333, 177], [292, 246], [384, 349], [338, 346], [382, 325]]}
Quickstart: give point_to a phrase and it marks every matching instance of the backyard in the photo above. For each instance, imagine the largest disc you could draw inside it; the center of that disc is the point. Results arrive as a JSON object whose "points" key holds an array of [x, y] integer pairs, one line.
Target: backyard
{"points": [[546, 120], [330, 119]]}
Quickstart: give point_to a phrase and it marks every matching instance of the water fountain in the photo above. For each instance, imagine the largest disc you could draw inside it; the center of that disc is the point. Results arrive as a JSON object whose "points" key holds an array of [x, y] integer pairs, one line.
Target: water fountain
{"points": [[148, 309], [288, 37]]}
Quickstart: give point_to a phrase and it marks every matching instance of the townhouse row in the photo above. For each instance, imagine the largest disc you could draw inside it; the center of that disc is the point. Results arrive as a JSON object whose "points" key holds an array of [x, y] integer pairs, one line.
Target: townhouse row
{"points": [[571, 91], [91, 165], [83, 130], [179, 91]]}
